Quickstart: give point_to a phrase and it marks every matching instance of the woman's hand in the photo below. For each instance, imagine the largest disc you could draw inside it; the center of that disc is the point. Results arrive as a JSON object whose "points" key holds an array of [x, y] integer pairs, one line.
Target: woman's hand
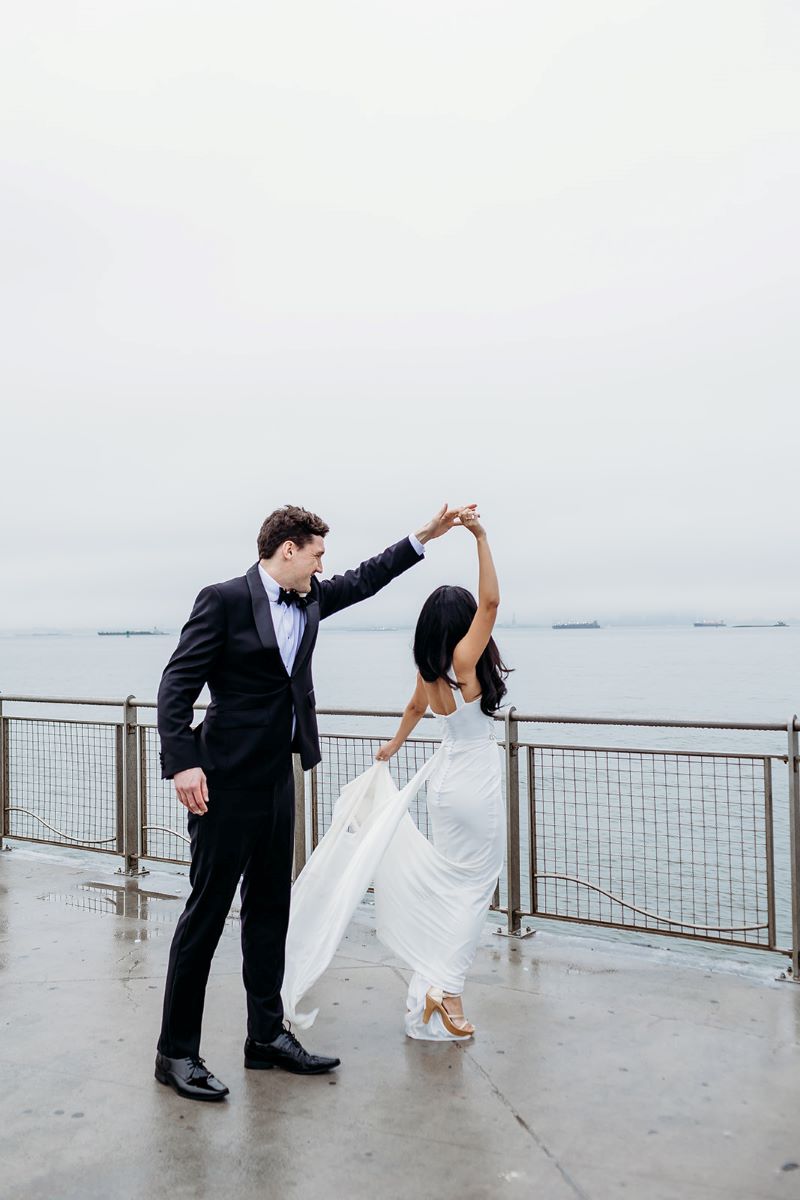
{"points": [[469, 518], [387, 751]]}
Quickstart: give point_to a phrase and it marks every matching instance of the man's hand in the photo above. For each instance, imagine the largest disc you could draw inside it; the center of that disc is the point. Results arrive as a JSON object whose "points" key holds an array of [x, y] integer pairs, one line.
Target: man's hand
{"points": [[192, 790], [444, 520]]}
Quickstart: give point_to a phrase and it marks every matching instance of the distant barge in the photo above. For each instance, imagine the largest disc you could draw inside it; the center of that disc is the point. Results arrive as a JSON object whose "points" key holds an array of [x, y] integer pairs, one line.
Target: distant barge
{"points": [[766, 625], [130, 633], [577, 625], [709, 624]]}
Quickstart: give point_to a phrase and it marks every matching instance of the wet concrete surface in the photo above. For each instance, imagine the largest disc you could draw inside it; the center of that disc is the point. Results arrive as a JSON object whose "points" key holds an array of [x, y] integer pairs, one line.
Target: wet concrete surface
{"points": [[600, 1069]]}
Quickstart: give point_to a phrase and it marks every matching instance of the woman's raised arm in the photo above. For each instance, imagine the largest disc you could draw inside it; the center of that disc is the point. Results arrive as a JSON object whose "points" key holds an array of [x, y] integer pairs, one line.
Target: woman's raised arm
{"points": [[477, 637]]}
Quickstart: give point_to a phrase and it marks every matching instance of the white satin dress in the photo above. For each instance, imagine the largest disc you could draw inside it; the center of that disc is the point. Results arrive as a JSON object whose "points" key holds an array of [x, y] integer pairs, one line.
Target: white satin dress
{"points": [[431, 897]]}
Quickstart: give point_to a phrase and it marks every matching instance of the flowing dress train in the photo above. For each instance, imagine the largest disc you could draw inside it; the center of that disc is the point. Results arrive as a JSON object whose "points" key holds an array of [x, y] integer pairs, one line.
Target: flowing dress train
{"points": [[431, 897]]}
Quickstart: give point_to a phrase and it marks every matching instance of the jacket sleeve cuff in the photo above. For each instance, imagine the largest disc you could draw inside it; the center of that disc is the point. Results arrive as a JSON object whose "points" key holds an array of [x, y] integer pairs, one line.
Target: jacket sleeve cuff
{"points": [[172, 764]]}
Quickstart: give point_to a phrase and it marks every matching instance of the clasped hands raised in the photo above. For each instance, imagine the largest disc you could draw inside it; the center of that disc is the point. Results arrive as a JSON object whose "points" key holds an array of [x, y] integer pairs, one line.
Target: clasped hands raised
{"points": [[446, 518]]}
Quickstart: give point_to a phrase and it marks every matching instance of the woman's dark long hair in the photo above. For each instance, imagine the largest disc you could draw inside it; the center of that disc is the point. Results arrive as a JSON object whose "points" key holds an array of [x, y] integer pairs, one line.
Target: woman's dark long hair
{"points": [[444, 620]]}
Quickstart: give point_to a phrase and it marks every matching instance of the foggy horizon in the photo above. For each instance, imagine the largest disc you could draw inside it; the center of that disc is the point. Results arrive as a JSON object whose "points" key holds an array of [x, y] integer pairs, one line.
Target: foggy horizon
{"points": [[357, 620]]}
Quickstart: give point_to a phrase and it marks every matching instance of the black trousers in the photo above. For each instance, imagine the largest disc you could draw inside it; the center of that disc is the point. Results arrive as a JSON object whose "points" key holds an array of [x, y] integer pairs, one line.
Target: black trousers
{"points": [[248, 835]]}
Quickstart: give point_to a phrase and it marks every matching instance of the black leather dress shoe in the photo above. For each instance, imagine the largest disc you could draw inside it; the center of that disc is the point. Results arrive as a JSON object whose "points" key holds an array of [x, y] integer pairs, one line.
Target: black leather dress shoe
{"points": [[190, 1077], [287, 1053]]}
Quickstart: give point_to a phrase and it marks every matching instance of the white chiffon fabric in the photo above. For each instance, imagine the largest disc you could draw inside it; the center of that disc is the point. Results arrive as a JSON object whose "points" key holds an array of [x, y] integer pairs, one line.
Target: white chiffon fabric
{"points": [[431, 897]]}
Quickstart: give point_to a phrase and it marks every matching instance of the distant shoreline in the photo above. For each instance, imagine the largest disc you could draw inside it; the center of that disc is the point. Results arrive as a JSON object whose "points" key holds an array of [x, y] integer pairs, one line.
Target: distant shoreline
{"points": [[544, 626]]}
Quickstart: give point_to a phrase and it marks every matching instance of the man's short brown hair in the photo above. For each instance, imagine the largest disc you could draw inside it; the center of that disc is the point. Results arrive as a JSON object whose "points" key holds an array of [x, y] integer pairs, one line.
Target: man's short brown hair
{"points": [[289, 523]]}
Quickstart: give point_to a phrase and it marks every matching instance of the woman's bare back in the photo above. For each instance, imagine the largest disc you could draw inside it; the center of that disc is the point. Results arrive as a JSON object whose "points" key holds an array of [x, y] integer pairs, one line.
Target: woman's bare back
{"points": [[440, 696]]}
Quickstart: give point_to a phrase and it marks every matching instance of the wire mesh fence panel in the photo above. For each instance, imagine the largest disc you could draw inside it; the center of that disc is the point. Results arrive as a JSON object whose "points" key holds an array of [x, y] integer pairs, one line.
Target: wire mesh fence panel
{"points": [[63, 782], [163, 817], [345, 757], [676, 843]]}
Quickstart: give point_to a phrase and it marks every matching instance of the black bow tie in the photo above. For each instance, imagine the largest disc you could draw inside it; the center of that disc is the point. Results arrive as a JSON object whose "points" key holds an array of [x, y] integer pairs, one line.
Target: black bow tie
{"points": [[285, 597]]}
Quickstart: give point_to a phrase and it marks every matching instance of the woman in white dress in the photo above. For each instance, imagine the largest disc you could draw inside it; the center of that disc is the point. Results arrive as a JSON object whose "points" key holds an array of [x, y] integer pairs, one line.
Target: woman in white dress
{"points": [[431, 897]]}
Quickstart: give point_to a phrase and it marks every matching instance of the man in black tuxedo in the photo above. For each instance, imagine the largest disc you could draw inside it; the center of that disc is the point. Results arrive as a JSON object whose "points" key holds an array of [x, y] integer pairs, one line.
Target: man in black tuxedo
{"points": [[251, 640]]}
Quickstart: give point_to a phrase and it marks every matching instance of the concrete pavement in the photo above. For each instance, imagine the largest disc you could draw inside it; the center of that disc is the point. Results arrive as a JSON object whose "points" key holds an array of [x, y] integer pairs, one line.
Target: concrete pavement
{"points": [[601, 1069]]}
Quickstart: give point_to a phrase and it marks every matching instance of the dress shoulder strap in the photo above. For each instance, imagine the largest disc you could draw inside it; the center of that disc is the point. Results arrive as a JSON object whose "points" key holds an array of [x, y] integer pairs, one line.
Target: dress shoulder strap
{"points": [[459, 699]]}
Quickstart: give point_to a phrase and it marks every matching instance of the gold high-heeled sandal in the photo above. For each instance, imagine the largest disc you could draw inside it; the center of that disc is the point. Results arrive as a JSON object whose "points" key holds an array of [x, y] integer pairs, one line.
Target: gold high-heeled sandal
{"points": [[434, 1002]]}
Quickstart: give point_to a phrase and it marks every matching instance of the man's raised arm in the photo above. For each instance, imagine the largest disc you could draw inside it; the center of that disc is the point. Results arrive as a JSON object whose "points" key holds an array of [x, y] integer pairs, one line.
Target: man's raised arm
{"points": [[367, 579]]}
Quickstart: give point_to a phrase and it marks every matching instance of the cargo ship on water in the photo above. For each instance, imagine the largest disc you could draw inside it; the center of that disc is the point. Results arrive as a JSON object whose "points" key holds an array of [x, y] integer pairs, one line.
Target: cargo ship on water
{"points": [[576, 625], [709, 624]]}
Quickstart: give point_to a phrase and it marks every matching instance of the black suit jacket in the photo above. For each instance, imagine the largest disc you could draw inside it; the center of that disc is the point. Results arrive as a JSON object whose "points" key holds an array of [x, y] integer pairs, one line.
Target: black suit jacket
{"points": [[229, 643]]}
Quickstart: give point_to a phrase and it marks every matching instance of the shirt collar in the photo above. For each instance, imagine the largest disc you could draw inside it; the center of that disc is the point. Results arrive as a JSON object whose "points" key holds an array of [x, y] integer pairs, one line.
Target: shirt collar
{"points": [[271, 586]]}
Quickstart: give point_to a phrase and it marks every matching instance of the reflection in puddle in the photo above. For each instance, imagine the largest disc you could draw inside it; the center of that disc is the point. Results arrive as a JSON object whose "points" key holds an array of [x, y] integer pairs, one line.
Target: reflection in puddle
{"points": [[130, 900]]}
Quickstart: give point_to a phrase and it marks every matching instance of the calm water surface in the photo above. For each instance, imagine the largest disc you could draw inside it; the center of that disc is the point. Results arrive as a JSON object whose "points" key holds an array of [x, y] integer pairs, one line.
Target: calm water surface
{"points": [[670, 672]]}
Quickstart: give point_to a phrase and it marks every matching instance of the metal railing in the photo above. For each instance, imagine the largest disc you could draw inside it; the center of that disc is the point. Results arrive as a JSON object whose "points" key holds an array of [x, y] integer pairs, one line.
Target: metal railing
{"points": [[691, 842]]}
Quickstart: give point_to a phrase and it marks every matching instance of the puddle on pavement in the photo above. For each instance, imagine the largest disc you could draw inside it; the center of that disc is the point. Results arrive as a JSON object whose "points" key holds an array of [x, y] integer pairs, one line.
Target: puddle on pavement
{"points": [[154, 912]]}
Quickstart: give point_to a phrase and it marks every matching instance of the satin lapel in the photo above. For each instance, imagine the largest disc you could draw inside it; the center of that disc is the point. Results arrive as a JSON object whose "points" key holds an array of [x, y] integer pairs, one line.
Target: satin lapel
{"points": [[309, 633], [261, 614]]}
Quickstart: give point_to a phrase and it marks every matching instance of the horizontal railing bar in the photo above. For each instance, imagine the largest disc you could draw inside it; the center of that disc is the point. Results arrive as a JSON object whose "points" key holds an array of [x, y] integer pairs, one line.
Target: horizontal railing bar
{"points": [[521, 718], [63, 721], [161, 858], [27, 837], [539, 719], [523, 745], [661, 751], [650, 930], [95, 703], [650, 722]]}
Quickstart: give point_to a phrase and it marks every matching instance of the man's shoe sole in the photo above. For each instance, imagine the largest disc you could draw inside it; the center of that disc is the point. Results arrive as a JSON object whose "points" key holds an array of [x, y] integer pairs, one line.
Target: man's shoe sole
{"points": [[254, 1064], [162, 1077]]}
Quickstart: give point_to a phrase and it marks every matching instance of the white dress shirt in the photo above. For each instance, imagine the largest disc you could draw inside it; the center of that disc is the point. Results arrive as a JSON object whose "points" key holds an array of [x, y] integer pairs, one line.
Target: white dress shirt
{"points": [[289, 620]]}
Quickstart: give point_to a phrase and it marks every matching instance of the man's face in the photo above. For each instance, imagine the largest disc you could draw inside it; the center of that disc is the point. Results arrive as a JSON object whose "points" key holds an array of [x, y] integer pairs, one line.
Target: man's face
{"points": [[305, 562]]}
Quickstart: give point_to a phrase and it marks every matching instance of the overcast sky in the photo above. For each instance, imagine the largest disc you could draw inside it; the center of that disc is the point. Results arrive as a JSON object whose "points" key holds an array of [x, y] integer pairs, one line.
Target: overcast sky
{"points": [[369, 257]]}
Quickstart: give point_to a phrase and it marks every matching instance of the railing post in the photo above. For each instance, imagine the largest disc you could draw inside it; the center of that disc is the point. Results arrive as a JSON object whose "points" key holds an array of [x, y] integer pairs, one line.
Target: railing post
{"points": [[119, 785], [533, 849], [314, 808], [769, 830], [794, 845], [130, 788], [143, 818], [3, 777], [299, 815], [512, 821]]}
